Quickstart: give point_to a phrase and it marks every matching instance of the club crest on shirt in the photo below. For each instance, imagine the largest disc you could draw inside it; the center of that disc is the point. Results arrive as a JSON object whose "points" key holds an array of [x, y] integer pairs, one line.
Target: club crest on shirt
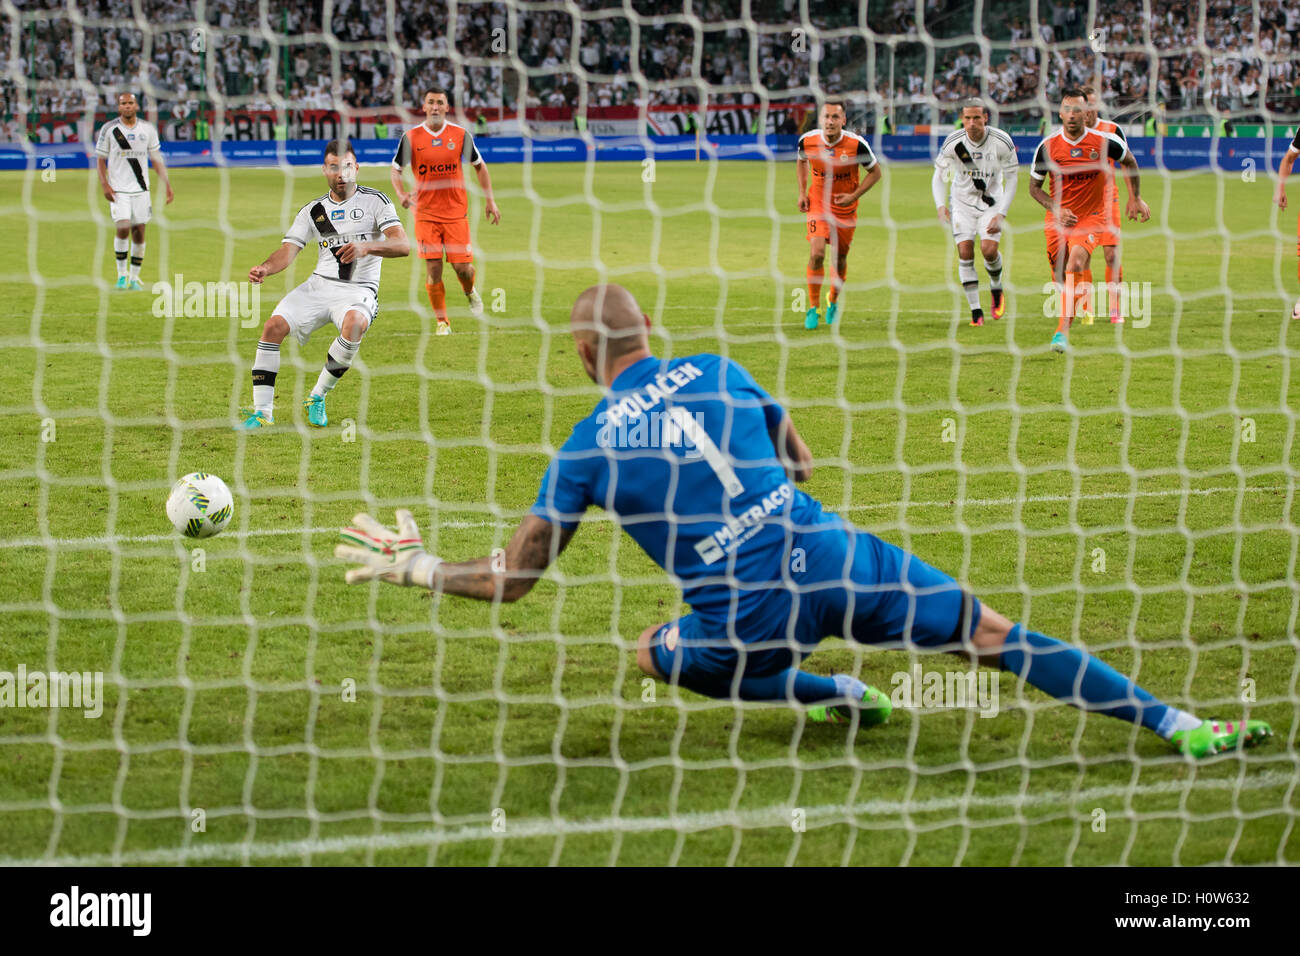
{"points": [[357, 213], [1092, 154], [670, 638]]}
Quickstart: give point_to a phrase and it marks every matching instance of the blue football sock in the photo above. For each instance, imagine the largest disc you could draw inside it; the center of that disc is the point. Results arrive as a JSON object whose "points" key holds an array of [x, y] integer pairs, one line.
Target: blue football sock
{"points": [[805, 688], [1080, 679]]}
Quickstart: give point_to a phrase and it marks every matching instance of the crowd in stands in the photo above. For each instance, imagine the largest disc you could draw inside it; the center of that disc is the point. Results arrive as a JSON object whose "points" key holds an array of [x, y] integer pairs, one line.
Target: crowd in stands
{"points": [[510, 56]]}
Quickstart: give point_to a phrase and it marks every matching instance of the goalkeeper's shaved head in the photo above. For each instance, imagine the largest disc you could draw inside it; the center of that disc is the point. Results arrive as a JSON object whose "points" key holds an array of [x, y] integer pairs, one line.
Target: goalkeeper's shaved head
{"points": [[610, 331]]}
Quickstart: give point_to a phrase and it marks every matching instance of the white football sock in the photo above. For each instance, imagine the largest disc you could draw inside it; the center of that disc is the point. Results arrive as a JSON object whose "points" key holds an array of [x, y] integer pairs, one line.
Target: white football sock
{"points": [[1176, 720], [120, 247], [337, 361], [970, 282], [994, 268], [137, 259], [266, 366]]}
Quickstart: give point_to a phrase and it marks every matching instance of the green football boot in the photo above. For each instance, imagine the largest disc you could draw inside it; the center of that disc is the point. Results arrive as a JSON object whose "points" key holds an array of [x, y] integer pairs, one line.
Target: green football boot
{"points": [[811, 319], [874, 709], [121, 284], [316, 411], [135, 285], [832, 313], [1059, 342], [1216, 736], [253, 419]]}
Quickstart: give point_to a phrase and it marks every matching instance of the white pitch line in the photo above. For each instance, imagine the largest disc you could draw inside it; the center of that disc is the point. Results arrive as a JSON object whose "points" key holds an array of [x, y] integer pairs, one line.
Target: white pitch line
{"points": [[777, 816], [110, 540]]}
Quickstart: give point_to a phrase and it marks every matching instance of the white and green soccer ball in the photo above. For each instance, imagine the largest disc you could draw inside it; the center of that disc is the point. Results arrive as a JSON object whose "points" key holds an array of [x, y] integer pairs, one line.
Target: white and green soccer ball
{"points": [[200, 505]]}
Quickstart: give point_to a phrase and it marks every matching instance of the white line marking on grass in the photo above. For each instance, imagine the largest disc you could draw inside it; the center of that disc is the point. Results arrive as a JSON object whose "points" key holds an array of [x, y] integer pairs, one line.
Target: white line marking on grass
{"points": [[109, 540], [767, 817]]}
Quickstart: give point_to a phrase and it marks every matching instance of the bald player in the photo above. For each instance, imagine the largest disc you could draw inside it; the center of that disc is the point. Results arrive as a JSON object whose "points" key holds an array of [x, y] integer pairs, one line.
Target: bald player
{"points": [[698, 464]]}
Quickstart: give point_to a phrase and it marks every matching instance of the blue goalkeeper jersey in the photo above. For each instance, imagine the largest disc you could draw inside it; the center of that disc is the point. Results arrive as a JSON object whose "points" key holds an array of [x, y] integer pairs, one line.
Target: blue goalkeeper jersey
{"points": [[679, 452]]}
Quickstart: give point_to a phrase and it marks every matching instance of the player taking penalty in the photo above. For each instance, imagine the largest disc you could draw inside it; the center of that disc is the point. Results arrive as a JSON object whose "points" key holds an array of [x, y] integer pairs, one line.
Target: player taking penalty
{"points": [[353, 227], [715, 504], [123, 150], [827, 168], [436, 151], [981, 163], [1076, 158]]}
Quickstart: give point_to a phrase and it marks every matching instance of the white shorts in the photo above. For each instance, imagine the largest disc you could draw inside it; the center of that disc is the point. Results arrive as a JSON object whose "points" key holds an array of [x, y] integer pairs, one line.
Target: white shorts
{"points": [[135, 208], [967, 223], [320, 301]]}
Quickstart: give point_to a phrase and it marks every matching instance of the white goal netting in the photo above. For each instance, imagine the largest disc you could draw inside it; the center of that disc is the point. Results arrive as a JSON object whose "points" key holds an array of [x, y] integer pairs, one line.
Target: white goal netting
{"points": [[231, 700]]}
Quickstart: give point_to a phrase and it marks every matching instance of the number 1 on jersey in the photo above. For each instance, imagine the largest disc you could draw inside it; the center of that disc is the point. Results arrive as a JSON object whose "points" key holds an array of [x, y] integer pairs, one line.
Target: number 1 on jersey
{"points": [[686, 425]]}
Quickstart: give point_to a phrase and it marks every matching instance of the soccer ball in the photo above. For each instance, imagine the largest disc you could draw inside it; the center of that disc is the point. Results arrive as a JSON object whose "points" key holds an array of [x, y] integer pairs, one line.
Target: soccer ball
{"points": [[200, 505]]}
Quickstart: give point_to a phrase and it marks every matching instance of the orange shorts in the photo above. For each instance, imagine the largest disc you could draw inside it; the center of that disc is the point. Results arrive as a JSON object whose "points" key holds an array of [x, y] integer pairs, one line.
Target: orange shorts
{"points": [[1089, 232], [432, 238], [844, 229]]}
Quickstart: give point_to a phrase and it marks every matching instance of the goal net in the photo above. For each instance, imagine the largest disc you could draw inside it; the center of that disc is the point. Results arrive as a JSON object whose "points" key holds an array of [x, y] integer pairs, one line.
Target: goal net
{"points": [[231, 699]]}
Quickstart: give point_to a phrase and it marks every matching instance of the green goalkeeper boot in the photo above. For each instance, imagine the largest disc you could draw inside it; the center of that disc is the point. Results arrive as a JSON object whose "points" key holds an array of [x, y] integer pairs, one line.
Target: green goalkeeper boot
{"points": [[874, 709], [1216, 736]]}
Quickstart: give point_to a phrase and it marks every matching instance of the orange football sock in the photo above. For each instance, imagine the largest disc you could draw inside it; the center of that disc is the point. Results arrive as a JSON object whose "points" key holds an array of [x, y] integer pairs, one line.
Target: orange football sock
{"points": [[1112, 281], [1084, 293], [815, 280], [466, 284], [437, 299], [837, 286], [1072, 282]]}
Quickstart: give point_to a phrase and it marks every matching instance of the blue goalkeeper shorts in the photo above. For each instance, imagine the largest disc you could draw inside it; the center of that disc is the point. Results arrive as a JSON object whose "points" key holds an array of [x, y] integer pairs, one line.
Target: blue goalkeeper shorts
{"points": [[873, 606]]}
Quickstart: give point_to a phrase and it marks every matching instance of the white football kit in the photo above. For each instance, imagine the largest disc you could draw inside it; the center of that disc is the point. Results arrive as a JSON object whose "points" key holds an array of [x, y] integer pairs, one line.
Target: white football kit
{"points": [[126, 150], [336, 288], [983, 177]]}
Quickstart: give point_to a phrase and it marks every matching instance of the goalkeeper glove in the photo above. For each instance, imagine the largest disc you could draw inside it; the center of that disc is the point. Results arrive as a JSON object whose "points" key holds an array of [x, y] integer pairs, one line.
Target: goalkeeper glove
{"points": [[397, 557]]}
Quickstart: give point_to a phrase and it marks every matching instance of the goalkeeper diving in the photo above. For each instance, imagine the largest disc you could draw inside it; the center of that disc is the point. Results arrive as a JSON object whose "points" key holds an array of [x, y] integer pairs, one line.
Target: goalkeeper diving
{"points": [[768, 573]]}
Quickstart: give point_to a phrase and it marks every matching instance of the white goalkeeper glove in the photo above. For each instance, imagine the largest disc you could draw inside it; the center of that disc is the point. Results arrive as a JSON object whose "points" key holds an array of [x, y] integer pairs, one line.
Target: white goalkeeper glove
{"points": [[397, 557]]}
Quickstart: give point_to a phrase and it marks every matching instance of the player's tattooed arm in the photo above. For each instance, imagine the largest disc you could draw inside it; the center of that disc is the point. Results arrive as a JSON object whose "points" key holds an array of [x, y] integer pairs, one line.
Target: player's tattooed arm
{"points": [[510, 575], [793, 451], [394, 245], [278, 261], [801, 174], [1137, 208]]}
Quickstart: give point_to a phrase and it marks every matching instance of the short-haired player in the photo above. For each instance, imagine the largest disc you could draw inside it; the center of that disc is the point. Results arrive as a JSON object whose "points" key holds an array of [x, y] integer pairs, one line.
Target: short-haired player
{"points": [[354, 228]]}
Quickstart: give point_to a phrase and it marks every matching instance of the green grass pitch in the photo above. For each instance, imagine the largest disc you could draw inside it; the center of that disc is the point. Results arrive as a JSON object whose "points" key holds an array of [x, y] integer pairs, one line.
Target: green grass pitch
{"points": [[522, 734]]}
